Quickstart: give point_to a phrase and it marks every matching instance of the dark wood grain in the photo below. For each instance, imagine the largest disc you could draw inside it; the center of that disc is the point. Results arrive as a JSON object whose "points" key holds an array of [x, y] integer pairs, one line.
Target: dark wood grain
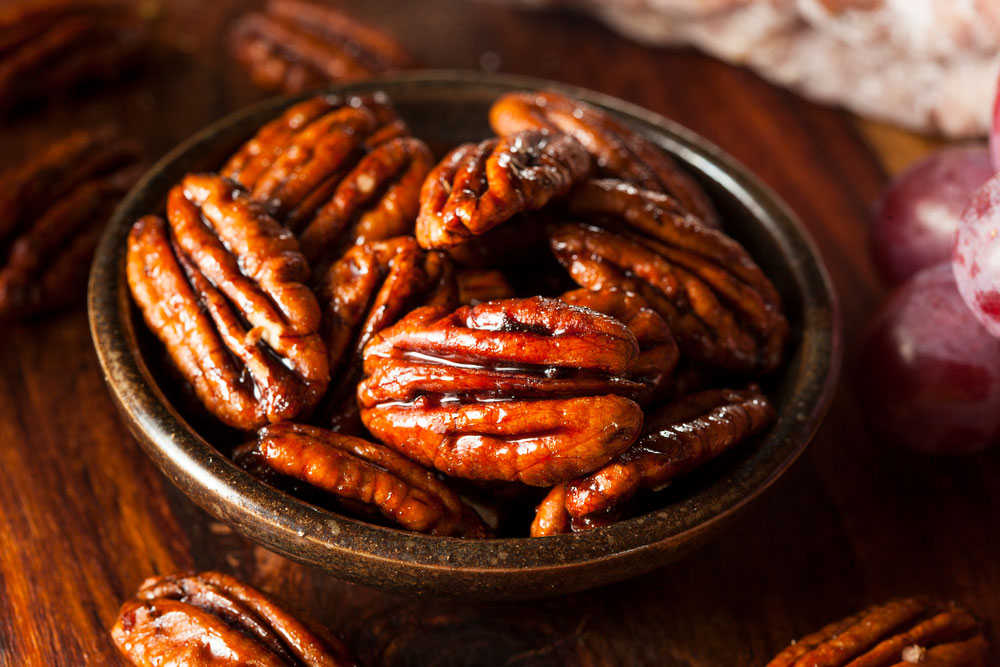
{"points": [[84, 517]]}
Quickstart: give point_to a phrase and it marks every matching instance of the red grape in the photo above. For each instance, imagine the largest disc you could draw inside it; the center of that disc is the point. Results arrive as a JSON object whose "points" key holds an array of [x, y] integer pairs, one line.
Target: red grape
{"points": [[930, 373], [976, 256], [916, 219]]}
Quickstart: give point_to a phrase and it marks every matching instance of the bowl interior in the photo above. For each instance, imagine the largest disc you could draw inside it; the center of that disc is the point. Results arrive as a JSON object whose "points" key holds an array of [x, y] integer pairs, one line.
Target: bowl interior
{"points": [[445, 109]]}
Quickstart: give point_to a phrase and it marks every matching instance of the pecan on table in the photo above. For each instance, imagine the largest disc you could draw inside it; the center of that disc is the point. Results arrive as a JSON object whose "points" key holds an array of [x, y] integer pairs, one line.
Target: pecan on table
{"points": [[224, 290], [52, 210], [295, 45], [478, 285], [720, 306], [210, 619], [901, 632], [530, 390], [478, 186], [658, 352], [359, 472], [49, 48], [618, 150]]}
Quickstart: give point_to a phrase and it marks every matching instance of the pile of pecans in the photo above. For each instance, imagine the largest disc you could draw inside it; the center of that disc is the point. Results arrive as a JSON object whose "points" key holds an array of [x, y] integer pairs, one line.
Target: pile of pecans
{"points": [[385, 327]]}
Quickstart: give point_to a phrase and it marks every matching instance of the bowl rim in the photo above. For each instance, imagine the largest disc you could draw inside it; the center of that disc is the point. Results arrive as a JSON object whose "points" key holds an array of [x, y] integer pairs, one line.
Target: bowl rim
{"points": [[307, 534]]}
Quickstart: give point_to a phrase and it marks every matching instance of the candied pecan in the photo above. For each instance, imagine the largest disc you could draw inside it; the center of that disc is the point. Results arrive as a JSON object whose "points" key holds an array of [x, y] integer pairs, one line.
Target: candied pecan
{"points": [[51, 47], [478, 186], [479, 285], [618, 150], [658, 352], [295, 45], [210, 619], [375, 284], [52, 210], [378, 199], [676, 439], [363, 472], [225, 294], [898, 633], [516, 390], [720, 306]]}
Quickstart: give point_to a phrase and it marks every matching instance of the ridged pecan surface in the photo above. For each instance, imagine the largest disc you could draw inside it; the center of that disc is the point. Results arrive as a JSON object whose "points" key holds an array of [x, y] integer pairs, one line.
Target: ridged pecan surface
{"points": [[210, 619], [295, 45], [720, 306], [361, 472], [519, 390], [225, 292], [337, 171], [478, 186], [52, 210], [49, 48], [899, 633], [618, 150]]}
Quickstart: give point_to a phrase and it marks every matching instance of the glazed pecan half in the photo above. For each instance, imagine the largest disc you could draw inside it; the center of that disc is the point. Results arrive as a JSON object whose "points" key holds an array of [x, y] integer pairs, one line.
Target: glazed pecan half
{"points": [[618, 150], [899, 633], [720, 306], [225, 292], [210, 619], [336, 170], [295, 45], [49, 48], [658, 352], [523, 390], [478, 186], [478, 285], [52, 210], [359, 472], [676, 439]]}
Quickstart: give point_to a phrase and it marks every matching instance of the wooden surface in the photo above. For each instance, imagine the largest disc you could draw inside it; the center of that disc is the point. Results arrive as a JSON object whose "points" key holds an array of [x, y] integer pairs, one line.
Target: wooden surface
{"points": [[84, 516]]}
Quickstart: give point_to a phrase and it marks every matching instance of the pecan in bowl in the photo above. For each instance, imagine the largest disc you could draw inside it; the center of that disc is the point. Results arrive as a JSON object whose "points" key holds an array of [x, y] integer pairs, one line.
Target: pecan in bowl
{"points": [[500, 407], [901, 632], [530, 390], [223, 287], [52, 210], [210, 619]]}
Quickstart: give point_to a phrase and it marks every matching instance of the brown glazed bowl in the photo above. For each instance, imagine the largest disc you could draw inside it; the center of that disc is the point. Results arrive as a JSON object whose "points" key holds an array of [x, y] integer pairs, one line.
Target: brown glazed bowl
{"points": [[445, 108]]}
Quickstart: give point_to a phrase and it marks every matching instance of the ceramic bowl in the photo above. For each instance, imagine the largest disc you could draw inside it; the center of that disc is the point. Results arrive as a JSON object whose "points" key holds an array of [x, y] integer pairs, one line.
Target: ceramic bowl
{"points": [[445, 108]]}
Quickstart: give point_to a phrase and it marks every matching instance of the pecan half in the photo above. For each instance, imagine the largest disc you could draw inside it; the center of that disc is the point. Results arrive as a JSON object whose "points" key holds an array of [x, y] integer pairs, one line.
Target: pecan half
{"points": [[225, 292], [618, 150], [51, 47], [478, 186], [362, 472], [720, 306], [210, 619], [52, 210], [516, 390], [676, 439], [658, 352], [295, 45], [898, 633]]}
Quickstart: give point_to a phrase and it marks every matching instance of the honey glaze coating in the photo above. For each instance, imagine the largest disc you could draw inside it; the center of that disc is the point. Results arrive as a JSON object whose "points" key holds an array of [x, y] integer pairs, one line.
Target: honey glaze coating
{"points": [[210, 619], [530, 390], [720, 306], [359, 471], [478, 186], [677, 439], [618, 151], [898, 633], [224, 290]]}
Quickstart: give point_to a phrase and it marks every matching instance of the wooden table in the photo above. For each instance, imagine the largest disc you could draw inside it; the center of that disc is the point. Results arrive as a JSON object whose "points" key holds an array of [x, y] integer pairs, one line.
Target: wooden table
{"points": [[84, 516]]}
